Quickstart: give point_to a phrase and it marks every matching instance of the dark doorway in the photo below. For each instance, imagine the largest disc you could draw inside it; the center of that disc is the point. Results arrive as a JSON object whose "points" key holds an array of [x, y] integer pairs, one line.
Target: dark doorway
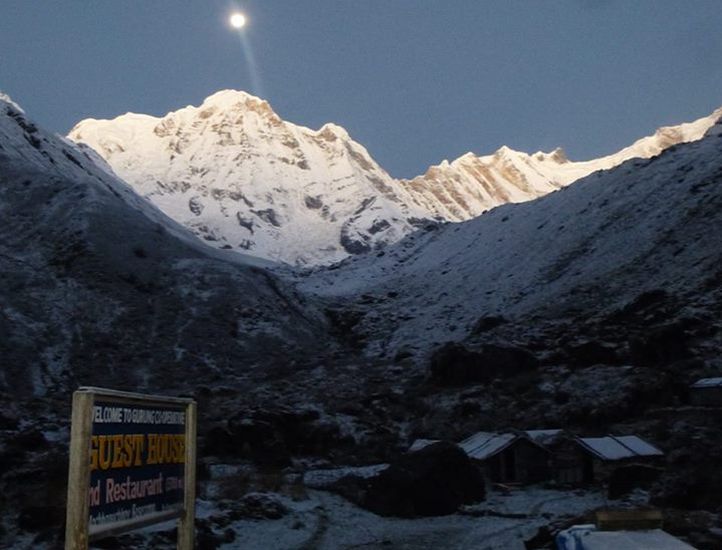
{"points": [[509, 465], [588, 472]]}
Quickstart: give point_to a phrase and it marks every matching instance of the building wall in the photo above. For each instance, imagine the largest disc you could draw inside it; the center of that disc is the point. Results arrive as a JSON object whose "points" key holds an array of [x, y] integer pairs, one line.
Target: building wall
{"points": [[533, 463], [521, 462], [571, 465]]}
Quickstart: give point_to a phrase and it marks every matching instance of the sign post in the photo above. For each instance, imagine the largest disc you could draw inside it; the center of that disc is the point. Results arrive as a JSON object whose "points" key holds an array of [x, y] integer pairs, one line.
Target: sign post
{"points": [[132, 464]]}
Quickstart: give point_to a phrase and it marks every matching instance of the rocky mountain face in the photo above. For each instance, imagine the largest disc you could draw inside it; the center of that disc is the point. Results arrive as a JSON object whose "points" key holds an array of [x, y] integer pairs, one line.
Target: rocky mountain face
{"points": [[243, 179], [590, 247]]}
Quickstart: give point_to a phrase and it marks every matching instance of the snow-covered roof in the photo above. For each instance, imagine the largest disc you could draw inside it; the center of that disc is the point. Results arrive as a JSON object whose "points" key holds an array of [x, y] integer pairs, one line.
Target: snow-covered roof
{"points": [[419, 444], [483, 445], [543, 437], [618, 447], [319, 479], [708, 383], [586, 537]]}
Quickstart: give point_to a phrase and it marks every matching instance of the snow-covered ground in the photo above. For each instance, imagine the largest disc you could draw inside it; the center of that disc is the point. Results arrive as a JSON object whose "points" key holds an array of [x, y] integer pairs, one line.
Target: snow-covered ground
{"points": [[324, 521], [342, 525]]}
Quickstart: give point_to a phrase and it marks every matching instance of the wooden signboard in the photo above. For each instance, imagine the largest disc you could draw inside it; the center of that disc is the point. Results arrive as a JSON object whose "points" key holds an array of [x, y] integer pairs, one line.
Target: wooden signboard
{"points": [[132, 464]]}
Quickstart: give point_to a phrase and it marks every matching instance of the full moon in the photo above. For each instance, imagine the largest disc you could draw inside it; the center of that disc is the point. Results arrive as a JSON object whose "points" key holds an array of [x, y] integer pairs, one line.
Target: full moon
{"points": [[238, 20]]}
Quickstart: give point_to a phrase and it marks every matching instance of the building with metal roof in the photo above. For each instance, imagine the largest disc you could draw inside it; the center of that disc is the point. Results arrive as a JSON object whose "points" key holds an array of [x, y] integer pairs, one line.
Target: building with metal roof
{"points": [[708, 383], [619, 447], [483, 445], [508, 457], [707, 392], [419, 444]]}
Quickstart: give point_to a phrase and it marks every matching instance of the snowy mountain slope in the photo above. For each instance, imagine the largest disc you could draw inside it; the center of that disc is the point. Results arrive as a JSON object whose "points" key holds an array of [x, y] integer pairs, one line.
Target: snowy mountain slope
{"points": [[472, 184], [241, 178], [97, 286], [589, 248]]}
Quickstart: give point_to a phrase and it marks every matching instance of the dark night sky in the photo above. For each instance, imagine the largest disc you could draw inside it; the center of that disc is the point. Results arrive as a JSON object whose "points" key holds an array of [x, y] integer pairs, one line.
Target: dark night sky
{"points": [[415, 81]]}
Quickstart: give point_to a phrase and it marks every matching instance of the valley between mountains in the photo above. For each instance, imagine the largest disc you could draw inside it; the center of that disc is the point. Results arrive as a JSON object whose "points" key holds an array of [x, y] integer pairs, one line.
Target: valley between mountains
{"points": [[325, 314]]}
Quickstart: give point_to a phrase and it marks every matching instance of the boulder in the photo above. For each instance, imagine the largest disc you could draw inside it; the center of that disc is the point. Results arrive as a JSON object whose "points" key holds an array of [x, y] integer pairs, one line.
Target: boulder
{"points": [[486, 323], [661, 345], [453, 364], [261, 441]]}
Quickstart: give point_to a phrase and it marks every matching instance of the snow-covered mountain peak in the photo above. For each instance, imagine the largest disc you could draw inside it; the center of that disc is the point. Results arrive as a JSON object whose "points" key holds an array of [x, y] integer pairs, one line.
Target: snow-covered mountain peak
{"points": [[7, 99], [230, 103], [558, 156], [471, 184], [466, 157], [242, 178], [505, 151], [74, 235], [229, 97], [331, 131]]}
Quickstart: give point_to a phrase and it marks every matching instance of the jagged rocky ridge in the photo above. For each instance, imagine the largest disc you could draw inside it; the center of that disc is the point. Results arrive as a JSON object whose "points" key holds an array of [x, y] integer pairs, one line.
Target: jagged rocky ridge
{"points": [[242, 178]]}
